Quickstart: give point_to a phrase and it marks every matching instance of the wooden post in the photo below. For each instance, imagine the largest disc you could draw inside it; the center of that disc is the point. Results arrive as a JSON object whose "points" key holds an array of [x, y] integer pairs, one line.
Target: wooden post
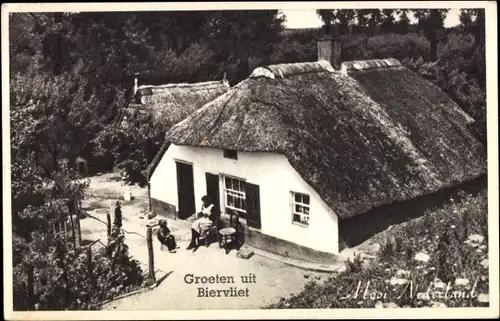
{"points": [[65, 234], [108, 218], [31, 287], [149, 195], [151, 254], [78, 226], [89, 267], [73, 231]]}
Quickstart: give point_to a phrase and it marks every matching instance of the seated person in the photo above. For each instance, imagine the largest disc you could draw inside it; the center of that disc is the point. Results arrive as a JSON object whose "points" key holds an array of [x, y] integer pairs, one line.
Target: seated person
{"points": [[203, 223], [165, 237]]}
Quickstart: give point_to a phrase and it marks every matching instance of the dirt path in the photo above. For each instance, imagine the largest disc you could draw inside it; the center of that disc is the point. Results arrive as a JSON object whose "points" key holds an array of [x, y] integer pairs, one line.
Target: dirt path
{"points": [[273, 279]]}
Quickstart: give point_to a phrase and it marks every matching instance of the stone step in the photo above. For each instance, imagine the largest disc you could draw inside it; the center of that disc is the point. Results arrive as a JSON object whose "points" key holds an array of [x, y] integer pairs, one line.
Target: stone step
{"points": [[244, 253]]}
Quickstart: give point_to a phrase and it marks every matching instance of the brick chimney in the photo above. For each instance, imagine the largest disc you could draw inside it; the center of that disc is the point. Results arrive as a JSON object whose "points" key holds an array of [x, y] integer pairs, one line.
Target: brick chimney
{"points": [[329, 49]]}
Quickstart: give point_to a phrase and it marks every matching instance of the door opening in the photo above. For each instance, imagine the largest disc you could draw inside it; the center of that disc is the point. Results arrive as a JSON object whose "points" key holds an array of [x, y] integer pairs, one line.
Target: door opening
{"points": [[185, 190]]}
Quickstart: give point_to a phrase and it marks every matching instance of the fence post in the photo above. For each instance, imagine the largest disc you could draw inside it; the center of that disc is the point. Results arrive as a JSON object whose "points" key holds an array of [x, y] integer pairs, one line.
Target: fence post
{"points": [[151, 254], [149, 195], [31, 287], [78, 226], [65, 234], [108, 219], [73, 232], [91, 272]]}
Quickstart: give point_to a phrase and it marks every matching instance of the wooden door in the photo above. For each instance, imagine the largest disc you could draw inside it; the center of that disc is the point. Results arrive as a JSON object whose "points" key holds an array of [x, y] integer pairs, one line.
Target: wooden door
{"points": [[253, 205], [185, 190]]}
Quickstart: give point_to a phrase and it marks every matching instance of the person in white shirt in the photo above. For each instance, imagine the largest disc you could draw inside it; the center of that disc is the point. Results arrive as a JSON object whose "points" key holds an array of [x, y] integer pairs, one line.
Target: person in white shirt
{"points": [[205, 221]]}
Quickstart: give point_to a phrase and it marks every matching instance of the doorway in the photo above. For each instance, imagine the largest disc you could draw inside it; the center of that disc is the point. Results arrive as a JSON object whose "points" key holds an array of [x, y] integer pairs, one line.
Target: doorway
{"points": [[185, 190]]}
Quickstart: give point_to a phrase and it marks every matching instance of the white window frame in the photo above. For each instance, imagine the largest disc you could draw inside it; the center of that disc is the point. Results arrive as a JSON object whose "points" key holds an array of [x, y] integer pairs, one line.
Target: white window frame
{"points": [[293, 202], [235, 193]]}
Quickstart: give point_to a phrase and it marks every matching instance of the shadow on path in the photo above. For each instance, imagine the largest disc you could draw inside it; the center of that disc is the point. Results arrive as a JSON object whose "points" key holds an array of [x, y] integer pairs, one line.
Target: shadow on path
{"points": [[163, 278]]}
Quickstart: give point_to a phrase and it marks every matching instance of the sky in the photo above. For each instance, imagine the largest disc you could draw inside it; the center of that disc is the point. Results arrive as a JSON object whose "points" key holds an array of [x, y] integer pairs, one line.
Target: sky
{"points": [[307, 18]]}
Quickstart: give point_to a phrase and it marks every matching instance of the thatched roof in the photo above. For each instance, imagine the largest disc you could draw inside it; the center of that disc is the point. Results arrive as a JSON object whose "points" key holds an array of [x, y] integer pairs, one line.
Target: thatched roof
{"points": [[396, 80], [171, 103], [372, 134]]}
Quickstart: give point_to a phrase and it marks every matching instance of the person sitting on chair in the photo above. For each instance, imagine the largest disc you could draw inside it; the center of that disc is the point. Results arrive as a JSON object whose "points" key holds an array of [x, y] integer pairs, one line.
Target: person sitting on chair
{"points": [[203, 223], [165, 237]]}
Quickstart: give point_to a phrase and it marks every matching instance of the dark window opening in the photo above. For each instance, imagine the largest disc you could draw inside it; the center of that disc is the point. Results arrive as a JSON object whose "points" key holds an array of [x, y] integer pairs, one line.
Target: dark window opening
{"points": [[230, 154]]}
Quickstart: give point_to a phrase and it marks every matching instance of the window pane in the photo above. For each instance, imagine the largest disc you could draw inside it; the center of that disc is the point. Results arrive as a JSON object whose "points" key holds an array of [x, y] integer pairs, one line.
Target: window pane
{"points": [[244, 204], [298, 199], [237, 186], [296, 217], [305, 199], [228, 182], [230, 200], [237, 202], [298, 208], [304, 219], [306, 210]]}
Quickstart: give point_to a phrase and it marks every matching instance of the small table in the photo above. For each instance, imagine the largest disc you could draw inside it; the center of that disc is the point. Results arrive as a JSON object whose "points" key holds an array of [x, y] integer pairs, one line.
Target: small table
{"points": [[227, 235]]}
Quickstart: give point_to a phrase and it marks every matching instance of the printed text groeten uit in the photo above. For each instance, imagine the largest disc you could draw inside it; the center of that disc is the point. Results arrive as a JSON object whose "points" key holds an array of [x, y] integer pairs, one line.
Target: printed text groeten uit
{"points": [[233, 291]]}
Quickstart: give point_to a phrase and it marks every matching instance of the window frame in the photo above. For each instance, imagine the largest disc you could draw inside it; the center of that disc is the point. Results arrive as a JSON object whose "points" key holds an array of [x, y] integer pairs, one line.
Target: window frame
{"points": [[225, 193], [293, 203], [225, 153]]}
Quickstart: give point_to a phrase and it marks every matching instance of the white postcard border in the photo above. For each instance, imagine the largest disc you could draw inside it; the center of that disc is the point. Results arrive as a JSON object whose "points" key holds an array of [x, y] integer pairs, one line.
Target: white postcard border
{"points": [[436, 313]]}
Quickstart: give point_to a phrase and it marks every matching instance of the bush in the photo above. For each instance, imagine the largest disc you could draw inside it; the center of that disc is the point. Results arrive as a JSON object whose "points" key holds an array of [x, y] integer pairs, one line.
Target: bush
{"points": [[448, 245], [62, 278], [354, 266], [398, 46]]}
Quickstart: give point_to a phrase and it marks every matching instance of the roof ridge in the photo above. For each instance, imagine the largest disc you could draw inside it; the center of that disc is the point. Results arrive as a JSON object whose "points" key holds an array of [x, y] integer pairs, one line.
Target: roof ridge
{"points": [[186, 85], [358, 65], [289, 69]]}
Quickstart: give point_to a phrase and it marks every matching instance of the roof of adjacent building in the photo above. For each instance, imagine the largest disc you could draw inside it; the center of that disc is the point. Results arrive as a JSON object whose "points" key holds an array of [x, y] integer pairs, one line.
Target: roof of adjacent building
{"points": [[369, 134], [170, 103]]}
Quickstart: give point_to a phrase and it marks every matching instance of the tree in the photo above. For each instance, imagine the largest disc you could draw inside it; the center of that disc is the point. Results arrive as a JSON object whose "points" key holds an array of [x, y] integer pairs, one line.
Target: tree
{"points": [[420, 15], [431, 22], [237, 36], [374, 20], [343, 18], [388, 20], [362, 16], [479, 27], [403, 24], [465, 19]]}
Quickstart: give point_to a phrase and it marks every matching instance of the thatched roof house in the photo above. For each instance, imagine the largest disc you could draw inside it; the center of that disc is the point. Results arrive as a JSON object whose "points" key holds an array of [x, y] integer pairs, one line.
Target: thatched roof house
{"points": [[372, 136], [170, 103], [365, 134]]}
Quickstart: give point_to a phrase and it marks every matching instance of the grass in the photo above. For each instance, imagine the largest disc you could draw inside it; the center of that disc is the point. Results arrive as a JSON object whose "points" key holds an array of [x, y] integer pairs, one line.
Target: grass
{"points": [[438, 260]]}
